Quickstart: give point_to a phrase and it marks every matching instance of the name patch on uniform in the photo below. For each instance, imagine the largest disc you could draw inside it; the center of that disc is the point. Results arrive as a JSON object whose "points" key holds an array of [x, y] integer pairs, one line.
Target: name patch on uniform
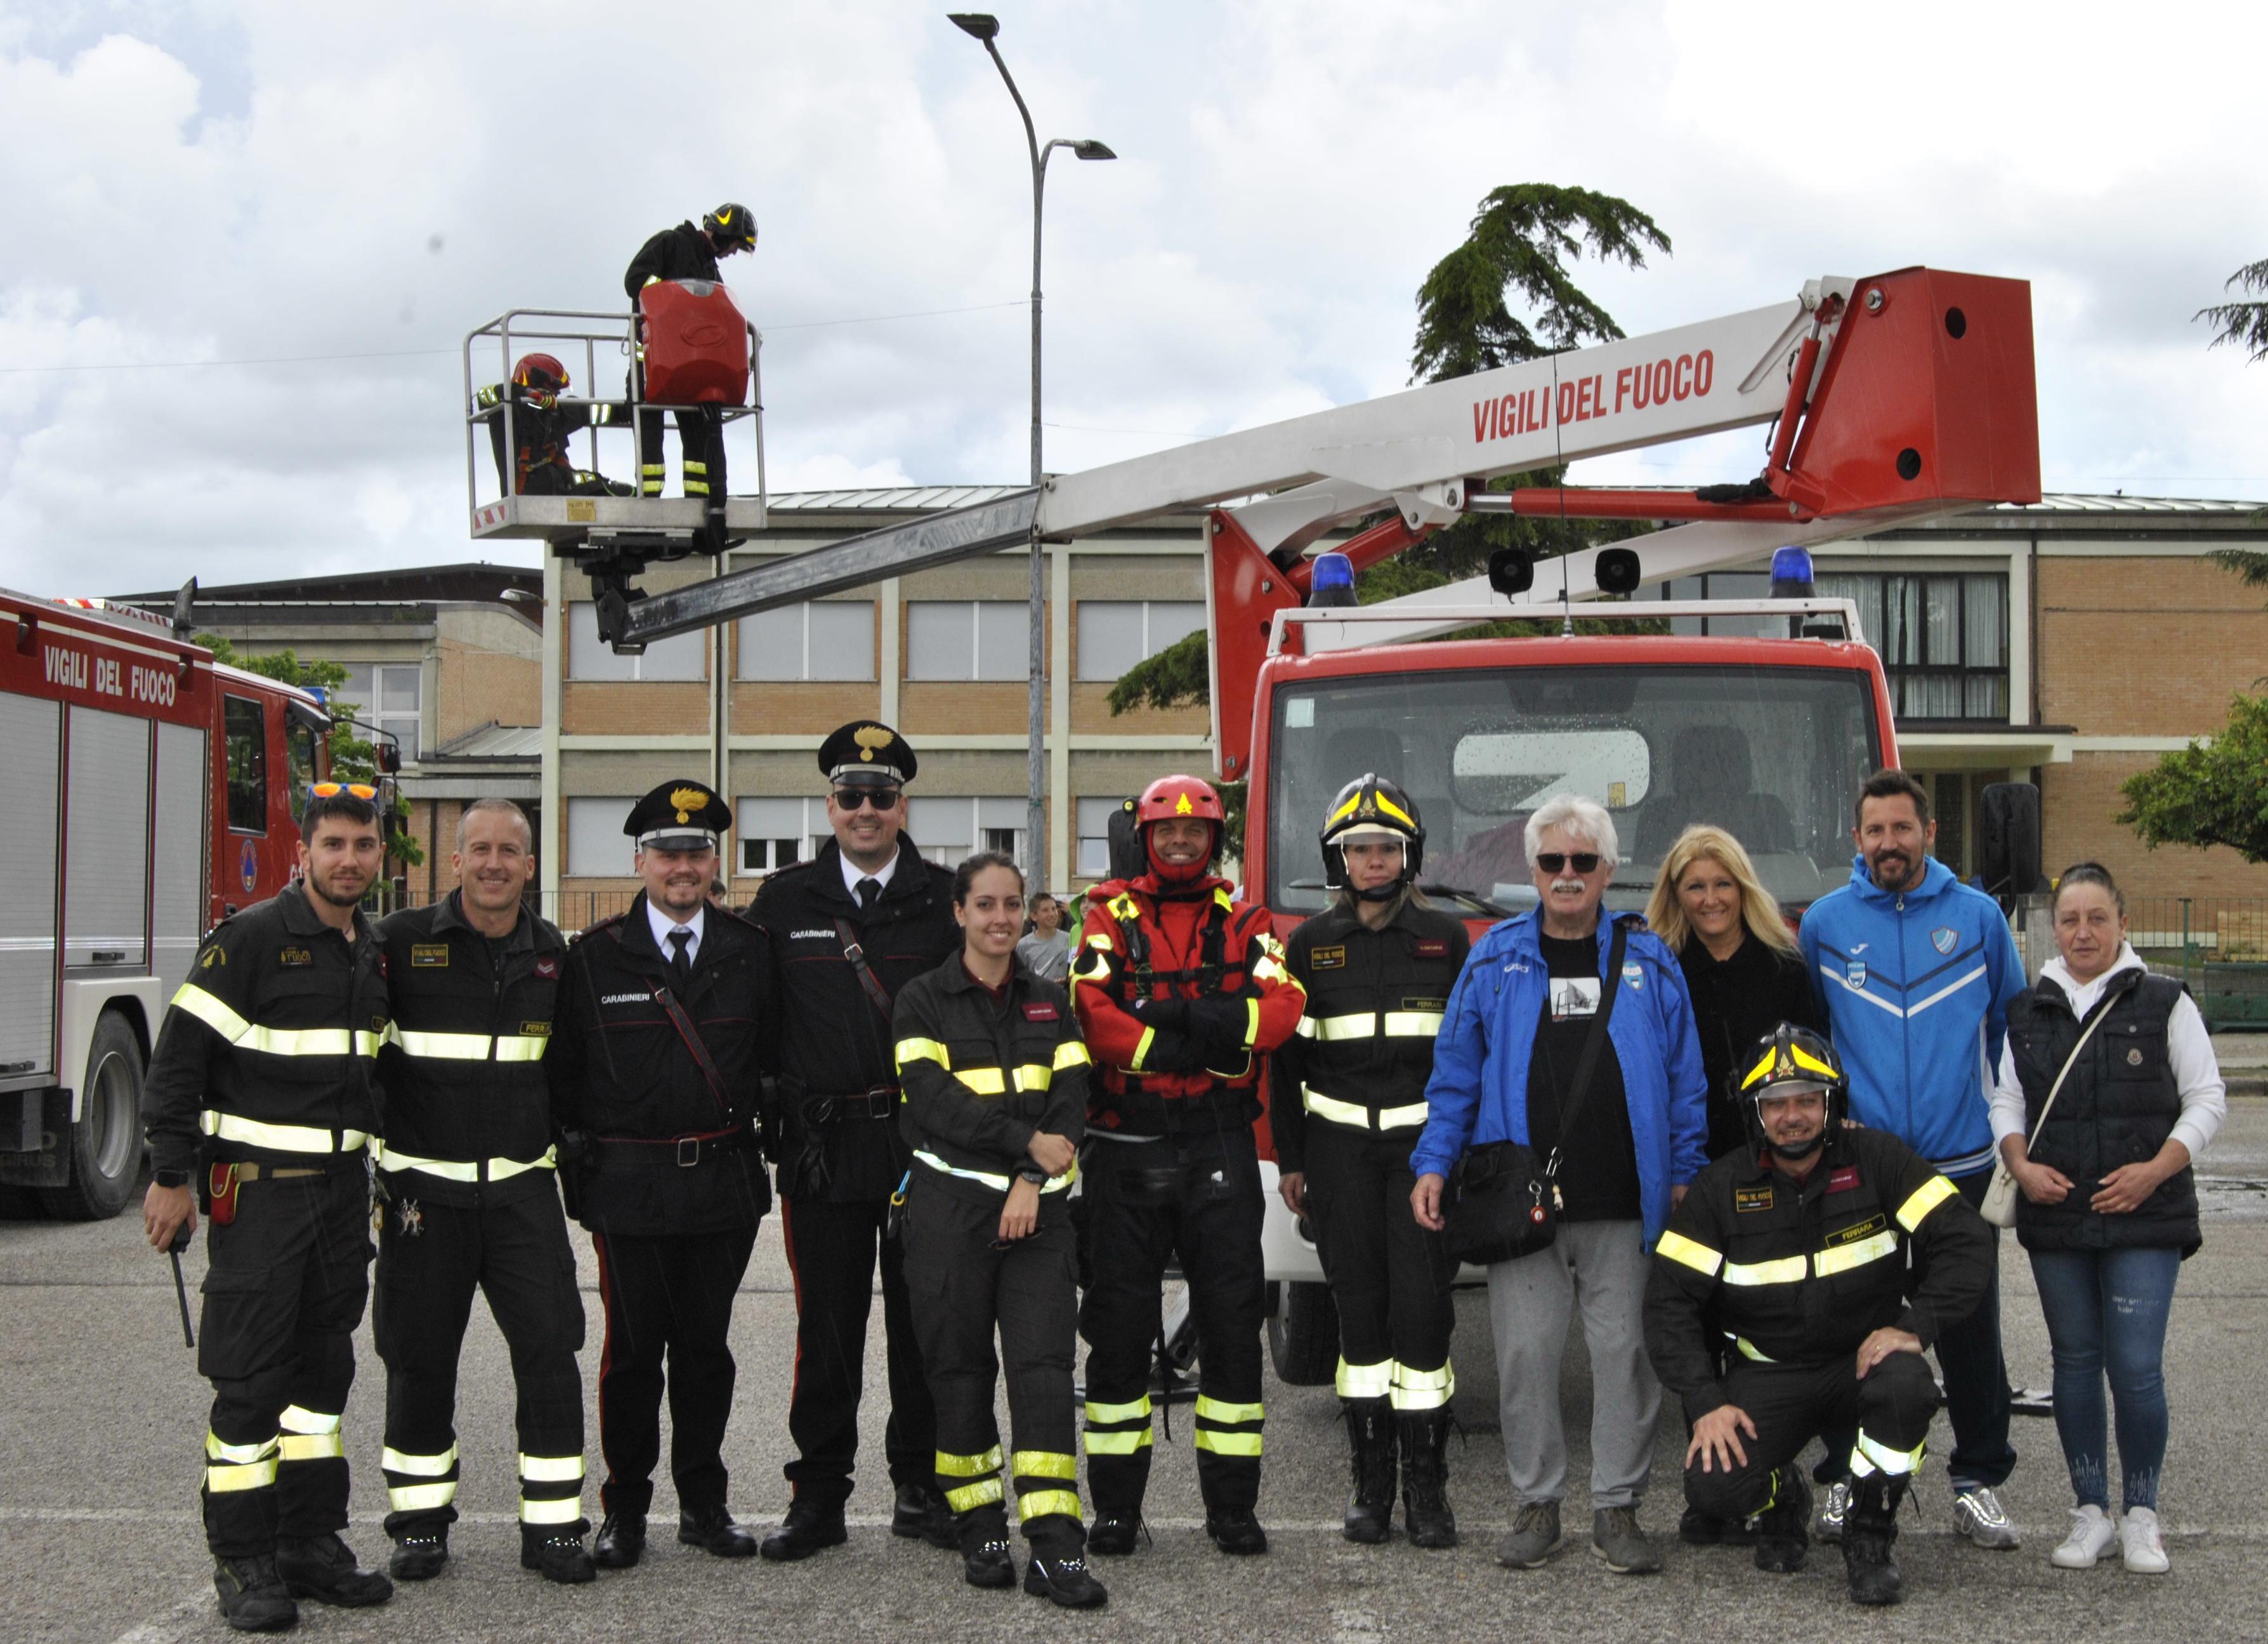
{"points": [[1041, 1011], [626, 999], [1409, 1003], [1752, 1197], [816, 934], [1433, 947], [1856, 1231], [1329, 959], [535, 1030], [429, 956], [1844, 1180], [296, 958], [547, 968]]}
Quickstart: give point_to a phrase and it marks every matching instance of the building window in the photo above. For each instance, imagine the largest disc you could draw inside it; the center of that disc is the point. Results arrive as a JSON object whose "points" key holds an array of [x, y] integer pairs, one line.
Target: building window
{"points": [[680, 657], [831, 639], [775, 833], [948, 830], [1114, 634], [1094, 837], [968, 639], [1943, 639], [597, 848], [386, 694]]}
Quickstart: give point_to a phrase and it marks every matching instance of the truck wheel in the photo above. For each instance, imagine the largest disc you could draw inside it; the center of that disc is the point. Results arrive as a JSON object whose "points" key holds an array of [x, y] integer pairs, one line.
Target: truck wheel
{"points": [[105, 1145], [1303, 1334]]}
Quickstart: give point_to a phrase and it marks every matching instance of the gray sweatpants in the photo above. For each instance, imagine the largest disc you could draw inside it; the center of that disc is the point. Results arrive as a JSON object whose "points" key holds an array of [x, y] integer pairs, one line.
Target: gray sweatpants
{"points": [[1599, 1267]]}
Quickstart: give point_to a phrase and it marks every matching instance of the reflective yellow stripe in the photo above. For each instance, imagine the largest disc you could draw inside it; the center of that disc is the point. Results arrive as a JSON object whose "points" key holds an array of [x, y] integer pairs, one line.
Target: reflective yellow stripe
{"points": [[1227, 1443], [221, 1480], [922, 1050], [1412, 1023], [1925, 1198], [1362, 1026], [1043, 1464], [1117, 1443], [1043, 1503], [1393, 811], [997, 1183], [951, 1466], [1882, 1456], [1750, 1350], [279, 1138], [418, 1498], [460, 1170], [417, 1466], [295, 1419], [560, 1510], [244, 1035], [692, 466], [1357, 1115], [441, 1047], [1689, 1254], [210, 1011], [1072, 1053], [1032, 1077], [1142, 1050], [1272, 971], [241, 1455], [973, 1496], [1219, 1410], [1842, 1258], [1123, 906], [1423, 1390], [1138, 1411], [1251, 1023], [550, 1469], [309, 1447], [1785, 1270], [1364, 1381], [984, 1080], [522, 1046]]}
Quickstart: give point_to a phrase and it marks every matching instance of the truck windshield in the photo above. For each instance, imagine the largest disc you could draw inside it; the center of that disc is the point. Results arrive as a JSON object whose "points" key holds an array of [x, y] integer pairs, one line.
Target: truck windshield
{"points": [[1772, 754]]}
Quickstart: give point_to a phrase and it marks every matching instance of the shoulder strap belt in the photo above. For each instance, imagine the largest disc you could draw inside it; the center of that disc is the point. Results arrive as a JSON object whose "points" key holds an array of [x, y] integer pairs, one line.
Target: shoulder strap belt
{"points": [[701, 1059]]}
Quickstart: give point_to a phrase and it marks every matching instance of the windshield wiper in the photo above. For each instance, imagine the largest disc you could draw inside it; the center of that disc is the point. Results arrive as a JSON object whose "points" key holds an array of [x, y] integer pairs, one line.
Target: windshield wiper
{"points": [[1471, 898]]}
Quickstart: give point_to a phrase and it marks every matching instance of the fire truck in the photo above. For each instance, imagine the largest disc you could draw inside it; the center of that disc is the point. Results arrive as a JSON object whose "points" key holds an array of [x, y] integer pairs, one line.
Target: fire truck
{"points": [[1888, 399], [150, 792]]}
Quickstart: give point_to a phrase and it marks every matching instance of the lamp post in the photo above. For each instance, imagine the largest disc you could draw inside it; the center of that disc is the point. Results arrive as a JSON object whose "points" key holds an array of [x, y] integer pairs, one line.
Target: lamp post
{"points": [[982, 26]]}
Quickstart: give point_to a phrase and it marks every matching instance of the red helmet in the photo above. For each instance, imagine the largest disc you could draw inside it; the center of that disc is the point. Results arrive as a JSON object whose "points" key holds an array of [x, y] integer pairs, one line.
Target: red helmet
{"points": [[541, 373], [1171, 796]]}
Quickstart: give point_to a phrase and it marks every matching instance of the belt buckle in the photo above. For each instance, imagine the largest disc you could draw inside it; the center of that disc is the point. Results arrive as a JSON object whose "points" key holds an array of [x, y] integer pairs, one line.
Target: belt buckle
{"points": [[689, 1152]]}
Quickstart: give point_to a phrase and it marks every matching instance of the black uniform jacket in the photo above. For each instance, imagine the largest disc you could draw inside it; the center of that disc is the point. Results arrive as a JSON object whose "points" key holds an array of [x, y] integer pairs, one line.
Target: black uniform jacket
{"points": [[656, 1149], [467, 1115], [1790, 1273], [982, 1075], [1365, 1049], [540, 434], [834, 1040], [1735, 1003], [266, 1051], [675, 253]]}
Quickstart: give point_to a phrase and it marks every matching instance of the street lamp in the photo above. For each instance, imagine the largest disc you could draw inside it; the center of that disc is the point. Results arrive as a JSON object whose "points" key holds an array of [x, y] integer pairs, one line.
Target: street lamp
{"points": [[982, 26]]}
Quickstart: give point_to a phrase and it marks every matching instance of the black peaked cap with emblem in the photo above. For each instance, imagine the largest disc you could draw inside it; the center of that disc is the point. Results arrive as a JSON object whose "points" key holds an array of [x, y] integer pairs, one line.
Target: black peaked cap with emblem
{"points": [[867, 753], [679, 816]]}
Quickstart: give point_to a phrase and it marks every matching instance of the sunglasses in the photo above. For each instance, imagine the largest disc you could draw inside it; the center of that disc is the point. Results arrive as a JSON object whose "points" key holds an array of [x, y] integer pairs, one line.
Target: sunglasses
{"points": [[852, 798], [1555, 860], [332, 790]]}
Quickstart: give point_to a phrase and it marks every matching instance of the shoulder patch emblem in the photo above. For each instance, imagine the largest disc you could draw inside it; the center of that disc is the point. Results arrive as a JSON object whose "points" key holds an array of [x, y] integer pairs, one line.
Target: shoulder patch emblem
{"points": [[1634, 974], [547, 966], [296, 958], [2134, 1056], [211, 957], [429, 956], [1332, 958], [1844, 1180], [1855, 972], [1746, 1199], [1943, 938]]}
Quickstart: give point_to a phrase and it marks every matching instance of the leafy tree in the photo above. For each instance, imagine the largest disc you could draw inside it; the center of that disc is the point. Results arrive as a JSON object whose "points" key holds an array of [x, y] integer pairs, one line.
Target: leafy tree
{"points": [[2243, 323], [2212, 793], [1522, 240]]}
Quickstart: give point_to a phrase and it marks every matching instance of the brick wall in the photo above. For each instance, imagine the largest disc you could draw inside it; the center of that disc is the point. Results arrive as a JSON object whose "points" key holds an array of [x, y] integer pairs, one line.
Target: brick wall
{"points": [[2146, 647], [2078, 802]]}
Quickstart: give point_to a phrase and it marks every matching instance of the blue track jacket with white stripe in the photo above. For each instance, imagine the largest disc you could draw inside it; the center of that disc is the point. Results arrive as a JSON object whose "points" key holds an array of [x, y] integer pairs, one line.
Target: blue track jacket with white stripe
{"points": [[1917, 985]]}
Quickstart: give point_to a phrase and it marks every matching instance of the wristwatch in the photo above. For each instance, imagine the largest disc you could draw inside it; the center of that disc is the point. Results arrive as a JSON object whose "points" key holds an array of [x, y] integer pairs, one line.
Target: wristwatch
{"points": [[1033, 1174], [169, 1178]]}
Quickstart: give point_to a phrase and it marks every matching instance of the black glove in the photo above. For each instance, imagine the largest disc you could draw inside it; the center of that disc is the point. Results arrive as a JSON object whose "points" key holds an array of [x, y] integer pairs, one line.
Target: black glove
{"points": [[1168, 1016], [1219, 1025], [1174, 1052]]}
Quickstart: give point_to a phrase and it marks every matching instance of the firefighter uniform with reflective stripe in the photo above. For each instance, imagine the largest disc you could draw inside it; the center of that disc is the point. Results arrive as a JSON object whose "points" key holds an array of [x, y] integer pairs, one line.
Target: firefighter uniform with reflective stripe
{"points": [[534, 461], [677, 253], [1791, 1277], [667, 1177], [1346, 1101], [983, 1072], [467, 1172], [1172, 1171], [261, 1087]]}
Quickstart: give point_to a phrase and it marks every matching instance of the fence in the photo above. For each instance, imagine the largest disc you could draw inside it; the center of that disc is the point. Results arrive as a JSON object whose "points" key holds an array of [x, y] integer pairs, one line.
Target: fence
{"points": [[2217, 945]]}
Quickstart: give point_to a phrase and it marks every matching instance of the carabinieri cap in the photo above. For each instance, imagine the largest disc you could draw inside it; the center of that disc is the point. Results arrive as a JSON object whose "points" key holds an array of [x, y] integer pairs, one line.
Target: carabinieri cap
{"points": [[867, 753], [679, 816]]}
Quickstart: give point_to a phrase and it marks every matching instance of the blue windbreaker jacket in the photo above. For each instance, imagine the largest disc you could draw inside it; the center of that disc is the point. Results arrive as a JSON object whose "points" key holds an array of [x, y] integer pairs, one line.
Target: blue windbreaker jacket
{"points": [[1917, 985], [1478, 1093]]}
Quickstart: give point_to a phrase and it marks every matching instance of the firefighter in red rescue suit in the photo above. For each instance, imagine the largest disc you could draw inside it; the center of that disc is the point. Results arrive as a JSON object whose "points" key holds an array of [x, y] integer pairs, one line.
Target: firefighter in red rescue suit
{"points": [[1181, 990]]}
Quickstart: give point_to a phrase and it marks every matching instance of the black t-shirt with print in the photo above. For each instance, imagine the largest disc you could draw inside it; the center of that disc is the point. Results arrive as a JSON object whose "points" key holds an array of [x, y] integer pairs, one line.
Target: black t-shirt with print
{"points": [[1598, 1165]]}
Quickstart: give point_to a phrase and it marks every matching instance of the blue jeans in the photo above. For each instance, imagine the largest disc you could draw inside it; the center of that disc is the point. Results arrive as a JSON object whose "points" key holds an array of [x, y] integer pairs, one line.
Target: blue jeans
{"points": [[2106, 1311]]}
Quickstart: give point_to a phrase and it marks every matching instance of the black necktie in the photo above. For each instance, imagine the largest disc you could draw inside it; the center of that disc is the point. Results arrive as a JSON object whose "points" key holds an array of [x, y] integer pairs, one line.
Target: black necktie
{"points": [[680, 940], [869, 891]]}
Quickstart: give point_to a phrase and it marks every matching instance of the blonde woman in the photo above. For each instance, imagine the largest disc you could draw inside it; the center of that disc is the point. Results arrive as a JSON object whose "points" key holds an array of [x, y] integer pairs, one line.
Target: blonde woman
{"points": [[1738, 957]]}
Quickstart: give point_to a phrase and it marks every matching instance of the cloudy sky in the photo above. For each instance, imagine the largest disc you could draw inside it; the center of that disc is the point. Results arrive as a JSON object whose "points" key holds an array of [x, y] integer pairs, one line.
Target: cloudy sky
{"points": [[244, 241]]}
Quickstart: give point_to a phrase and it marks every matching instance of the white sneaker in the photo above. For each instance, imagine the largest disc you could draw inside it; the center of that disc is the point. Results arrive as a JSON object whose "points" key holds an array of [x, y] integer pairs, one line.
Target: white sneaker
{"points": [[2092, 1535], [1833, 1507], [1978, 1513], [2140, 1542]]}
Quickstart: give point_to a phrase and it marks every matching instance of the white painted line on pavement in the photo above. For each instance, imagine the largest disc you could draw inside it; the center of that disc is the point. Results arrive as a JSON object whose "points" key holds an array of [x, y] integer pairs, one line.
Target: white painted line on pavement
{"points": [[174, 1622]]}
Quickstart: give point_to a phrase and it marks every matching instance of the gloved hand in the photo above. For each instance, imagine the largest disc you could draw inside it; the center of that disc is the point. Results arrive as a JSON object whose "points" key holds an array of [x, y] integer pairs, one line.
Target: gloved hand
{"points": [[1168, 1016], [1174, 1052], [1219, 1025]]}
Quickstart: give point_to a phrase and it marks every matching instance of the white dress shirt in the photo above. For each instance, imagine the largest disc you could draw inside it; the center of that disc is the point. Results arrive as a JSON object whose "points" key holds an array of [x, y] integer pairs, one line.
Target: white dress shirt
{"points": [[663, 924], [853, 874]]}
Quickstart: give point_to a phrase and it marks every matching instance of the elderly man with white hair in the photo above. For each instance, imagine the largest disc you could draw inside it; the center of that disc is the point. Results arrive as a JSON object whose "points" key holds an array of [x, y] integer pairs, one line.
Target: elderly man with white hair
{"points": [[1617, 1149]]}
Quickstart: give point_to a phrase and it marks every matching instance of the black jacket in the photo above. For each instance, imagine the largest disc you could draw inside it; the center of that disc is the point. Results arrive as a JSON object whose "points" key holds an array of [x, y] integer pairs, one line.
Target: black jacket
{"points": [[1374, 1004], [655, 1149], [266, 1051], [1735, 1003], [834, 1041], [675, 253], [540, 433], [2116, 1108], [462, 1071], [983, 1075], [1802, 1273]]}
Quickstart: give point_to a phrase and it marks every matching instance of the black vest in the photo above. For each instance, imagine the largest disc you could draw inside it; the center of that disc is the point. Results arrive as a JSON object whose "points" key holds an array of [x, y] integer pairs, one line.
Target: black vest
{"points": [[2117, 1107]]}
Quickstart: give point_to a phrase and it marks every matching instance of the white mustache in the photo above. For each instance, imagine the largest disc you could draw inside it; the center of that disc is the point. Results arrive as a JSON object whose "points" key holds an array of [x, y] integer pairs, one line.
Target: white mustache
{"points": [[1575, 885]]}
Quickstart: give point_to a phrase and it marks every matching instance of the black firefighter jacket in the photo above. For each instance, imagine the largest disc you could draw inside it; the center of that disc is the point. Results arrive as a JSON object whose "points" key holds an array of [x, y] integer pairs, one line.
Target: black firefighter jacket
{"points": [[674, 254], [653, 1149]]}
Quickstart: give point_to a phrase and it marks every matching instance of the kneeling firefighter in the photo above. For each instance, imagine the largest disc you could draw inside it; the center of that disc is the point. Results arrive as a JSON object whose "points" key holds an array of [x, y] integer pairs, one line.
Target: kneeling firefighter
{"points": [[532, 460], [1181, 990], [1347, 1099]]}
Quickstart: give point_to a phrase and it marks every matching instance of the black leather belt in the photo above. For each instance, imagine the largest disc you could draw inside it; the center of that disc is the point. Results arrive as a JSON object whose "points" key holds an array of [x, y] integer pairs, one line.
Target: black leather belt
{"points": [[683, 1152], [882, 1102]]}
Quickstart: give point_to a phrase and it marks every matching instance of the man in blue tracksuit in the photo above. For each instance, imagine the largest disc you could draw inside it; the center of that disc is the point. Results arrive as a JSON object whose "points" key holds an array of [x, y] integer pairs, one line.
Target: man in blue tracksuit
{"points": [[1917, 971]]}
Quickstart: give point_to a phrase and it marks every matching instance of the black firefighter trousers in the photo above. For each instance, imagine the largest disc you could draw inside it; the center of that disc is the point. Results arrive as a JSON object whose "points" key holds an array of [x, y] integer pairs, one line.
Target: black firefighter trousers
{"points": [[283, 1295], [1388, 1276], [963, 1285], [1198, 1200], [701, 435], [432, 1257], [1889, 1409]]}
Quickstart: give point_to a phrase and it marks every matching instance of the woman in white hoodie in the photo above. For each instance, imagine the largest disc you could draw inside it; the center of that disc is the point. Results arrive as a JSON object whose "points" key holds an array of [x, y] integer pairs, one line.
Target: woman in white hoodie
{"points": [[2107, 1208]]}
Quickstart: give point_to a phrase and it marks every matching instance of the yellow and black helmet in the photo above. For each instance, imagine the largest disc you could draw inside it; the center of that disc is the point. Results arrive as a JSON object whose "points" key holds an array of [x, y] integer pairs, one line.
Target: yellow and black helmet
{"points": [[1372, 807], [731, 227], [1791, 1060]]}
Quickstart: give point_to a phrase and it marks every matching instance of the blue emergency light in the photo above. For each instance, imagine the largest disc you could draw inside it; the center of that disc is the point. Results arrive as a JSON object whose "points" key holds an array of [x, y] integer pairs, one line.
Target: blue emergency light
{"points": [[1333, 581], [322, 695], [1791, 574]]}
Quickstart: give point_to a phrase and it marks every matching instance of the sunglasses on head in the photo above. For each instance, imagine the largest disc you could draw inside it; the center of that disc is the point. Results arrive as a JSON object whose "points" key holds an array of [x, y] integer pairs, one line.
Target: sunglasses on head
{"points": [[852, 798], [332, 790], [1557, 861]]}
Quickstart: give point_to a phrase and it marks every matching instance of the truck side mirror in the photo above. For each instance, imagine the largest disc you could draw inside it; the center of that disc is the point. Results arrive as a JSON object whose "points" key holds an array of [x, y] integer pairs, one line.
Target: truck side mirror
{"points": [[389, 756], [2008, 820]]}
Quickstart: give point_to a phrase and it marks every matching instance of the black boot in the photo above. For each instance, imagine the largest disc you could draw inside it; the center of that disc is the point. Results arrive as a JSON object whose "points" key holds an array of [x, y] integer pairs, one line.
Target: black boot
{"points": [[1784, 1528], [982, 1537], [1370, 1436], [807, 1528], [252, 1595], [556, 1553], [622, 1541], [919, 1512], [419, 1553], [1060, 1573], [1235, 1530], [1425, 1512], [322, 1567], [1112, 1534], [1869, 1530], [711, 1530]]}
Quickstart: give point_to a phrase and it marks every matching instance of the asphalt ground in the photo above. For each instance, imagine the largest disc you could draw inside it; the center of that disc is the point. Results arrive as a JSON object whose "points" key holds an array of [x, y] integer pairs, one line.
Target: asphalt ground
{"points": [[100, 1454]]}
